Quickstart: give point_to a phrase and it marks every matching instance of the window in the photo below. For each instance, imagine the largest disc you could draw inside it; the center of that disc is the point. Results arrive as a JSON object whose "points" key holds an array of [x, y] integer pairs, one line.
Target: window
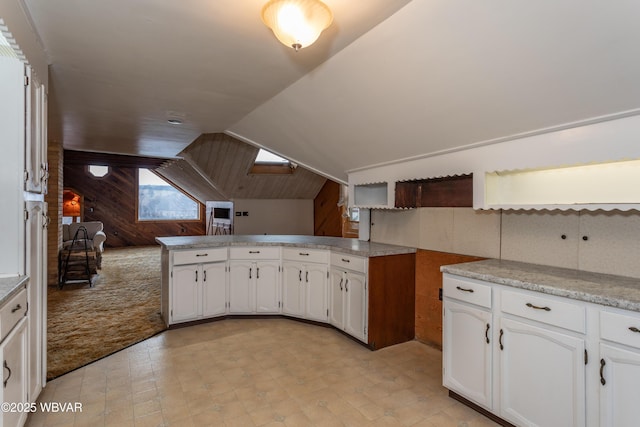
{"points": [[160, 201], [98, 171], [267, 163]]}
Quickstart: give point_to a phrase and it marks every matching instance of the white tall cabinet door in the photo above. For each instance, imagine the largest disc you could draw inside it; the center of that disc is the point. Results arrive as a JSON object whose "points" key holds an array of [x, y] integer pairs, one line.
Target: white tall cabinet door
{"points": [[542, 381], [214, 289], [467, 352], [36, 237], [292, 289], [267, 287], [36, 154], [620, 393], [315, 283], [336, 296], [241, 290], [356, 305], [185, 293]]}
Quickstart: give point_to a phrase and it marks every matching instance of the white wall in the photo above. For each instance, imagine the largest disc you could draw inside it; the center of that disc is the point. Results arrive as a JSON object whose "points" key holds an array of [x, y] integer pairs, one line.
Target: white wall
{"points": [[273, 216], [612, 245]]}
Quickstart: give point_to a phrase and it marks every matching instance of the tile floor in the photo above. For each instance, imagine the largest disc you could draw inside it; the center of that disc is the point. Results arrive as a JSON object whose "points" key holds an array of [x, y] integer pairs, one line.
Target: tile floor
{"points": [[258, 372]]}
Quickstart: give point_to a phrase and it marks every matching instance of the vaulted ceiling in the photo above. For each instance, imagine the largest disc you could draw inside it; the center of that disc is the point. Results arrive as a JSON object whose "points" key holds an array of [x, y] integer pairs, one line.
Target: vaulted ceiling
{"points": [[390, 79]]}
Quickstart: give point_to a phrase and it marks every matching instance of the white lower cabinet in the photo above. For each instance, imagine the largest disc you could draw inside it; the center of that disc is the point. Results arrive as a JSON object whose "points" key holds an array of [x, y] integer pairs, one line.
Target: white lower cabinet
{"points": [[254, 287], [467, 357], [304, 290], [348, 296], [542, 376]]}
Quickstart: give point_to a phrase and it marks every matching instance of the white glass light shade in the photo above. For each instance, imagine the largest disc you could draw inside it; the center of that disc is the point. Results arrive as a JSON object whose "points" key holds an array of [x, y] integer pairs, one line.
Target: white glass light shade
{"points": [[297, 23]]}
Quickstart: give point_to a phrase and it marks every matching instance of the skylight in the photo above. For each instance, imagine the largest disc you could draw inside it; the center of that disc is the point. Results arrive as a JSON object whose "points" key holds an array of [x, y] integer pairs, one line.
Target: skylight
{"points": [[265, 156], [5, 47]]}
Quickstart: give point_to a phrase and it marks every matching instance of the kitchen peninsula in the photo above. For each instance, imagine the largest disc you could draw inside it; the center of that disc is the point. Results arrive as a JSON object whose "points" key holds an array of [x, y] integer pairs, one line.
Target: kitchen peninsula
{"points": [[364, 289]]}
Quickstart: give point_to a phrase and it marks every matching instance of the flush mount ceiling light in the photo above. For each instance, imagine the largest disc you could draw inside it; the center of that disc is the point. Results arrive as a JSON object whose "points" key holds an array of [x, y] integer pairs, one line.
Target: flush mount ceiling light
{"points": [[297, 23]]}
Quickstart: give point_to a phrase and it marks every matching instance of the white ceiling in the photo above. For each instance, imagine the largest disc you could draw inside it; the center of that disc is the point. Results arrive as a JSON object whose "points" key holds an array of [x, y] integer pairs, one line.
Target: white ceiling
{"points": [[436, 75]]}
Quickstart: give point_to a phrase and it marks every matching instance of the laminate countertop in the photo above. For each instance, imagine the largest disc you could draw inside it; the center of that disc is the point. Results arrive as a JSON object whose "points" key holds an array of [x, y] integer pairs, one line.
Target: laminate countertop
{"points": [[604, 289], [9, 286], [349, 246]]}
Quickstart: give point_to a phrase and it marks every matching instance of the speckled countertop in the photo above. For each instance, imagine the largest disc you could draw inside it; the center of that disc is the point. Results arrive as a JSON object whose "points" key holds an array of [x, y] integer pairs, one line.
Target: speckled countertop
{"points": [[9, 286], [350, 246], [605, 289]]}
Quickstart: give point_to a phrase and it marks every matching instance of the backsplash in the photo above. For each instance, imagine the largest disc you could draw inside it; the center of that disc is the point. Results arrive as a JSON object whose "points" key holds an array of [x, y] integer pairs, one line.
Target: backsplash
{"points": [[603, 242]]}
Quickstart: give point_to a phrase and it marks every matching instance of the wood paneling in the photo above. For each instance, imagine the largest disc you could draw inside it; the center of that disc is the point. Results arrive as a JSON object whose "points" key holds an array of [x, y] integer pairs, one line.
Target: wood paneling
{"points": [[391, 300], [327, 215], [226, 162], [113, 200], [428, 307], [450, 191], [82, 158], [189, 179]]}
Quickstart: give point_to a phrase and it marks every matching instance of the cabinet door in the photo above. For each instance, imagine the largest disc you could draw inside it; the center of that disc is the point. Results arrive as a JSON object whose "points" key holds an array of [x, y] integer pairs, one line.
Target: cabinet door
{"points": [[214, 289], [36, 237], [315, 283], [292, 289], [185, 293], [241, 287], [356, 306], [336, 296], [542, 381], [14, 374], [620, 393], [267, 287], [467, 352], [34, 159]]}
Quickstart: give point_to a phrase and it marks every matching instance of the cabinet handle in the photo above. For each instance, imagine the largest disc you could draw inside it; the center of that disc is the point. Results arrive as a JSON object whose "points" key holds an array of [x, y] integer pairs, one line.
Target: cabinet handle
{"points": [[602, 380], [464, 289], [202, 254], [196, 275], [300, 275], [634, 329], [254, 252], [500, 339], [346, 260], [306, 276], [250, 272], [204, 276], [303, 253], [341, 280], [486, 333], [538, 308], [8, 376], [16, 308], [257, 272], [346, 285]]}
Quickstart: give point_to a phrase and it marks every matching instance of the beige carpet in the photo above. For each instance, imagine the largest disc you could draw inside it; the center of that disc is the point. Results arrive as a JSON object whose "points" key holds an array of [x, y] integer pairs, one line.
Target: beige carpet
{"points": [[122, 308]]}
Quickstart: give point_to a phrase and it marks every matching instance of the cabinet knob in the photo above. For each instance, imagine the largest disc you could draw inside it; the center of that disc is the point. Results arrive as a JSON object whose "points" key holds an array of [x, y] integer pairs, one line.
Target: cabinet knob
{"points": [[585, 238], [563, 237]]}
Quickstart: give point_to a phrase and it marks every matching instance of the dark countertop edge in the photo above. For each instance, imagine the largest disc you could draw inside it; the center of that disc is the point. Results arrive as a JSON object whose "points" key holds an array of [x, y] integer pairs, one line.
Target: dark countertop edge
{"points": [[547, 276], [381, 249], [9, 286]]}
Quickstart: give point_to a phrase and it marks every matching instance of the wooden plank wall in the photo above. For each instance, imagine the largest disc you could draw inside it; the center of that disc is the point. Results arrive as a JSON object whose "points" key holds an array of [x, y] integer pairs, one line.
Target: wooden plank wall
{"points": [[327, 215], [428, 310], [113, 199], [54, 209]]}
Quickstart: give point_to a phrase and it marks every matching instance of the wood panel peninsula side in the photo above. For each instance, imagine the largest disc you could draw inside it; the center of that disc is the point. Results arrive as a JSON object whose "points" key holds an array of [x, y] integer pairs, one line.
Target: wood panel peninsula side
{"points": [[364, 289]]}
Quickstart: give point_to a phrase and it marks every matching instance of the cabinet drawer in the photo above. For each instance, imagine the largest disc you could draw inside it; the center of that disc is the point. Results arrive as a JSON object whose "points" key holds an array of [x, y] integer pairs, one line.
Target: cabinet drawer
{"points": [[467, 290], [261, 252], [620, 328], [350, 262], [546, 310], [199, 256], [305, 255], [12, 311]]}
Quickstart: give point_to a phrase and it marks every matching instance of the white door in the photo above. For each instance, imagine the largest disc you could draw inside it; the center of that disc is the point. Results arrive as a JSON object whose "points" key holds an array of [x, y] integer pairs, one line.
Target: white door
{"points": [[542, 376], [185, 293], [36, 237], [315, 283], [267, 287], [292, 289], [241, 287], [620, 387], [336, 296], [466, 352], [356, 305], [13, 356], [214, 289]]}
